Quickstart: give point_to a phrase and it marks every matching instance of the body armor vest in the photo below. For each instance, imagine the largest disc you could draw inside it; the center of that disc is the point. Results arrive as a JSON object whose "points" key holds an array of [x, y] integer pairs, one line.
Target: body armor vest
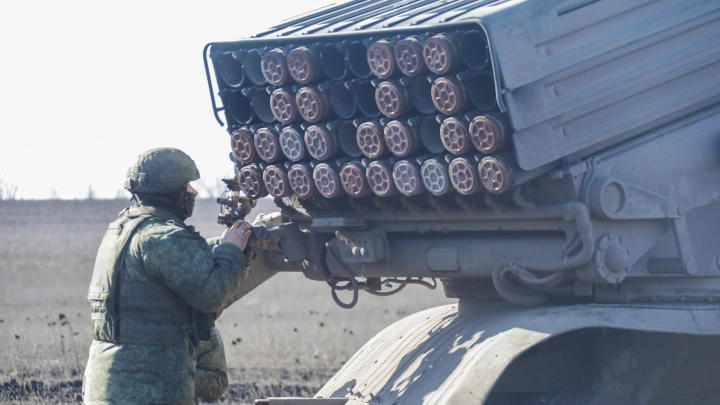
{"points": [[122, 312]]}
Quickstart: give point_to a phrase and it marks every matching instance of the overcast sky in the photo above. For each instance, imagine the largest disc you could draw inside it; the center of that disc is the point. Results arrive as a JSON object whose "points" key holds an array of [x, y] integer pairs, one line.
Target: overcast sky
{"points": [[85, 86]]}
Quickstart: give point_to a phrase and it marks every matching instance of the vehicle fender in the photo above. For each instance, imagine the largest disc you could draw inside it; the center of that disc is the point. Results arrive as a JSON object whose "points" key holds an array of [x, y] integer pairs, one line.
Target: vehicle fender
{"points": [[455, 354]]}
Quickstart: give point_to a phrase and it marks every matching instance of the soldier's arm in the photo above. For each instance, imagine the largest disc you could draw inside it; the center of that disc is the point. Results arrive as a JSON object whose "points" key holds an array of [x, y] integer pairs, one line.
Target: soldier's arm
{"points": [[211, 371], [203, 277]]}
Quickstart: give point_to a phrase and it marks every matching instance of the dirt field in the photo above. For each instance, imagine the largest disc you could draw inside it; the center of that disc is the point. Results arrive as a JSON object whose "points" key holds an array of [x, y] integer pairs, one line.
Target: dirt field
{"points": [[285, 338]]}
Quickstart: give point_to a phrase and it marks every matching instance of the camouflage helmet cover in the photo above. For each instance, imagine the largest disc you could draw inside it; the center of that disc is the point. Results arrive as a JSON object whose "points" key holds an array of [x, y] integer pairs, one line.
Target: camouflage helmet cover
{"points": [[161, 171]]}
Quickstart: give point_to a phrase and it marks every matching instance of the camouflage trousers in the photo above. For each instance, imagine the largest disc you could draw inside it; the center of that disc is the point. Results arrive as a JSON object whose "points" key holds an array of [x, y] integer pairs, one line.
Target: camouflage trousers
{"points": [[140, 374]]}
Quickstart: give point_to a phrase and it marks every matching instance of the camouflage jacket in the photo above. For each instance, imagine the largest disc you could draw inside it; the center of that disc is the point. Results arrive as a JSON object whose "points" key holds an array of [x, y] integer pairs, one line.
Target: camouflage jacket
{"points": [[202, 275], [211, 369]]}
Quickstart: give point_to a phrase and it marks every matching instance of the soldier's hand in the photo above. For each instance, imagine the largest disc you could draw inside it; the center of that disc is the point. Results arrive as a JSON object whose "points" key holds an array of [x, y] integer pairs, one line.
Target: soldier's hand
{"points": [[238, 234]]}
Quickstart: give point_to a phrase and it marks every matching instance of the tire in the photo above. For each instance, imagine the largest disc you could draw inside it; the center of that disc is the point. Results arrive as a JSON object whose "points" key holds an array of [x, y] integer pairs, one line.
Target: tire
{"points": [[575, 398]]}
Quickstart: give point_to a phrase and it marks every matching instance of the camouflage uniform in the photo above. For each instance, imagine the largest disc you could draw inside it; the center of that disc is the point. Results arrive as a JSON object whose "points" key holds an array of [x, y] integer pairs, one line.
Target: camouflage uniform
{"points": [[211, 369], [192, 276]]}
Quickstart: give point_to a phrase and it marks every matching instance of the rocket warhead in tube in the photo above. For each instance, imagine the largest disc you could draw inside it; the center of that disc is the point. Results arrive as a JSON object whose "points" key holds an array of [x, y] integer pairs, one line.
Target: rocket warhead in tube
{"points": [[380, 178], [327, 180], [267, 144], [435, 176], [409, 56], [464, 176], [312, 104], [276, 181], [400, 138], [380, 58], [371, 140], [408, 177], [449, 95], [301, 181], [489, 132], [241, 141], [282, 104], [440, 54], [292, 143], [455, 135], [321, 143], [303, 65], [274, 67], [496, 173], [251, 182], [393, 99], [353, 179]]}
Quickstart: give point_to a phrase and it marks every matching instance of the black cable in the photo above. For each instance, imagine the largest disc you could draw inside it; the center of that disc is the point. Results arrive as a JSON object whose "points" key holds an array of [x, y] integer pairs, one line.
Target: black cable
{"points": [[411, 281], [387, 293], [353, 281]]}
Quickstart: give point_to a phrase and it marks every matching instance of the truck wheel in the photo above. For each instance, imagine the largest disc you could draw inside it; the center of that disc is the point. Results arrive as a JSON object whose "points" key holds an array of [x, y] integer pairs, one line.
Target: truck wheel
{"points": [[576, 398]]}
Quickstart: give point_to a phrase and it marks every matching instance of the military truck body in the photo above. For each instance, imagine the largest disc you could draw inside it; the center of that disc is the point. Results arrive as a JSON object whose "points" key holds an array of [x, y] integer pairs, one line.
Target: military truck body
{"points": [[555, 164]]}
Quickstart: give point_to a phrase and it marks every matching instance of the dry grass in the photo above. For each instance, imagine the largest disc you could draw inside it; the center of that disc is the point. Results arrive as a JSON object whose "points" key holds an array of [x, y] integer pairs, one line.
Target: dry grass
{"points": [[287, 337]]}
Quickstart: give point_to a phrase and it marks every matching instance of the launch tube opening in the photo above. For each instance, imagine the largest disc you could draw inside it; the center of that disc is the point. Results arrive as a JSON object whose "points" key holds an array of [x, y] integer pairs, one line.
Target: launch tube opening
{"points": [[357, 59], [253, 68], [365, 99], [421, 95], [262, 107], [342, 101], [347, 138], [430, 135], [333, 62], [240, 107], [474, 50], [231, 70], [481, 89]]}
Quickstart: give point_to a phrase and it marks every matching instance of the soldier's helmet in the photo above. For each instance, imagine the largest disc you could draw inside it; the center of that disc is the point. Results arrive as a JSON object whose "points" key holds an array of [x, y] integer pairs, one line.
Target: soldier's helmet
{"points": [[161, 171]]}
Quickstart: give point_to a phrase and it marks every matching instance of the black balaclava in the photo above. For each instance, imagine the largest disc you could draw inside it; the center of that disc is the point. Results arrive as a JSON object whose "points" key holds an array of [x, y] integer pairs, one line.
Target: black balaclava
{"points": [[180, 203]]}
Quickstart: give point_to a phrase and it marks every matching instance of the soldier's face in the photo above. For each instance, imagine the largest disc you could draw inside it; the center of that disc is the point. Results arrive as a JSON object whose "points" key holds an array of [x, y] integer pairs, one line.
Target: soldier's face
{"points": [[190, 189]]}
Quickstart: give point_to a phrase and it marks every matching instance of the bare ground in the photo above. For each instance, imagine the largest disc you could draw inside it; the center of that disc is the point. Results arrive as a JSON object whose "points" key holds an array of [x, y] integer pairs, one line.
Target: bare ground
{"points": [[285, 338]]}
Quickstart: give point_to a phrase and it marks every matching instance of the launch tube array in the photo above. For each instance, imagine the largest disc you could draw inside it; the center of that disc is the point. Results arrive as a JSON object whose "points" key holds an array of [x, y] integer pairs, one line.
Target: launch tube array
{"points": [[402, 115]]}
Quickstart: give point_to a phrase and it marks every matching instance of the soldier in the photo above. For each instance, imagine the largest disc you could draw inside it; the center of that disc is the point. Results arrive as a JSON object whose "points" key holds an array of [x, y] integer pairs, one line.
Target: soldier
{"points": [[155, 288]]}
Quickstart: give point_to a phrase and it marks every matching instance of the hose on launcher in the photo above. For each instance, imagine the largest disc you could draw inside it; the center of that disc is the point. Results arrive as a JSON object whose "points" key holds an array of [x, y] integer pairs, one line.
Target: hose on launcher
{"points": [[515, 279], [356, 286]]}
